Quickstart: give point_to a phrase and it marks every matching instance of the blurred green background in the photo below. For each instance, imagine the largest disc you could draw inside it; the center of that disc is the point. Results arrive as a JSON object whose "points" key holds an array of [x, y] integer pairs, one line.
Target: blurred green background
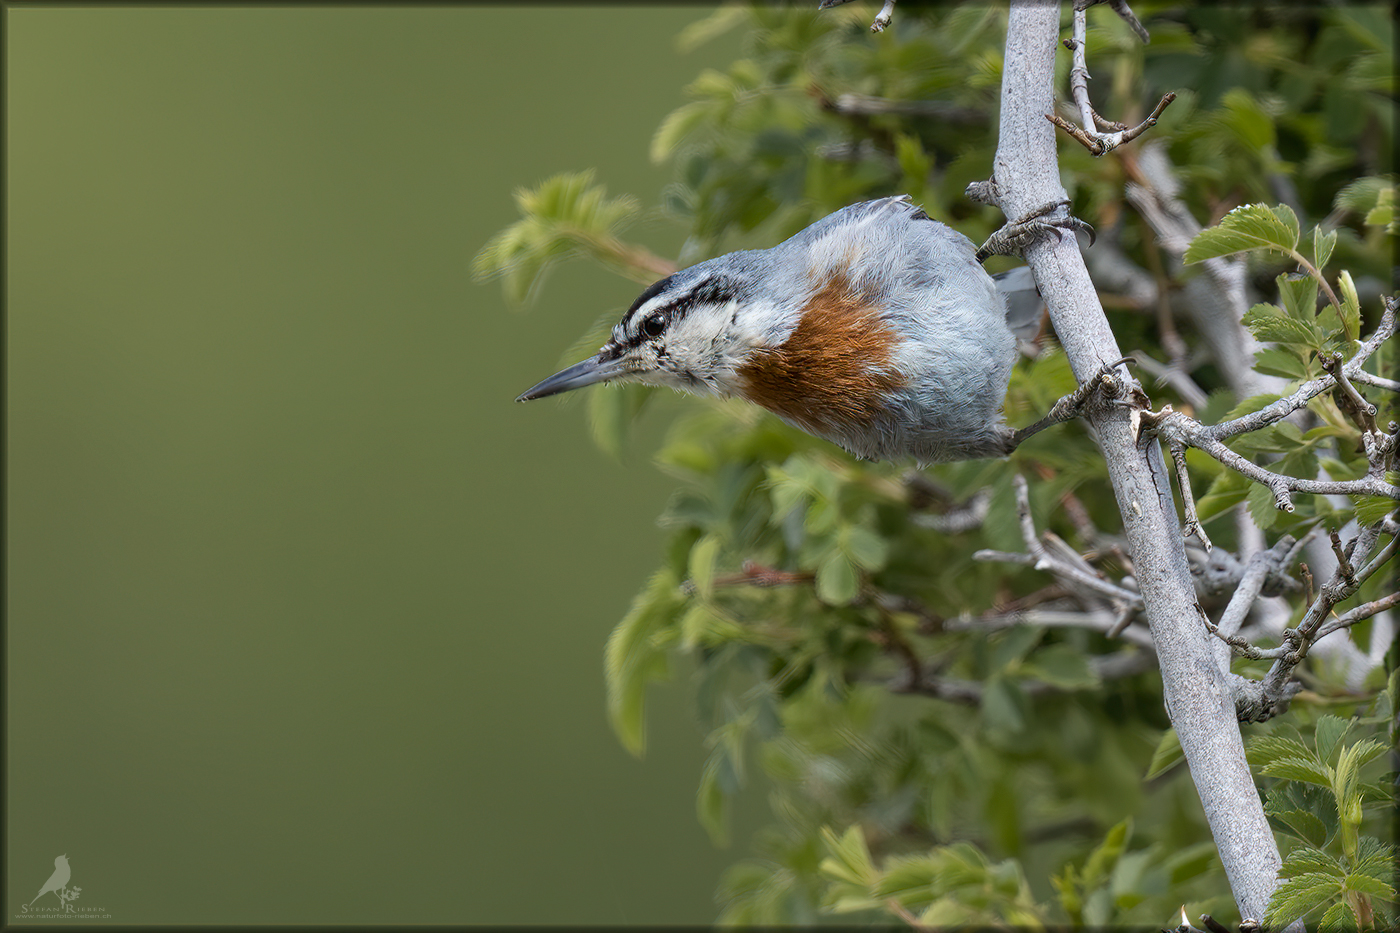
{"points": [[305, 617]]}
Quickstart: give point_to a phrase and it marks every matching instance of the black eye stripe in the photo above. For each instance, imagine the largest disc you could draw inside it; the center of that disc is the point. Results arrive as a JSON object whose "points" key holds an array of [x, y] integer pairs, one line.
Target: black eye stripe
{"points": [[654, 323]]}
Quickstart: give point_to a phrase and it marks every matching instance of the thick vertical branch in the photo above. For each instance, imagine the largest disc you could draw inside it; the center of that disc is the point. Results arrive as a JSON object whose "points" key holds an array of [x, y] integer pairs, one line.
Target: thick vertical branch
{"points": [[1198, 699]]}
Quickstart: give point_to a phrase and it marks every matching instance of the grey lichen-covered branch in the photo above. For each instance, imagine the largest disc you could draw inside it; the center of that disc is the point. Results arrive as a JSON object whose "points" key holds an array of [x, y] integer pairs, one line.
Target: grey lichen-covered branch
{"points": [[1258, 700], [1198, 697], [1180, 430]]}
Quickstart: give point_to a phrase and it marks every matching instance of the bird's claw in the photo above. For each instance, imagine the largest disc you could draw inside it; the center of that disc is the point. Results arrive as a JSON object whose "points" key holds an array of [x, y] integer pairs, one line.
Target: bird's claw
{"points": [[1072, 405], [1016, 235]]}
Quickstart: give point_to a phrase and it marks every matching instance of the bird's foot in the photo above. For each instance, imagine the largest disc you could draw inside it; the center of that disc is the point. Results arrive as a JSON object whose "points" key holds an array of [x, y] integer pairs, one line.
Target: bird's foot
{"points": [[1073, 405], [1015, 236]]}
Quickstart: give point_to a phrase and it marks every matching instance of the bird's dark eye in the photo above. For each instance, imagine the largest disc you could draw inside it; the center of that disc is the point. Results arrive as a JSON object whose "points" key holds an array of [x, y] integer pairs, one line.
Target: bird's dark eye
{"points": [[653, 326]]}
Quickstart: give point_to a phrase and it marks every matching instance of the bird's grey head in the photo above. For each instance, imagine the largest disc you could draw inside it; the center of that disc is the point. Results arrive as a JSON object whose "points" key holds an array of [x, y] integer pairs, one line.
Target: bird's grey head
{"points": [[689, 331]]}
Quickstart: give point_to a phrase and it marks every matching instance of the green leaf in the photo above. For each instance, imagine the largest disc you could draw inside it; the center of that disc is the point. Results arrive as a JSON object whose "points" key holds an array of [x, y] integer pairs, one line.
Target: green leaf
{"points": [[1367, 884], [864, 546], [1250, 405], [848, 858], [1309, 859], [1000, 706], [711, 803], [1298, 292], [1299, 769], [1261, 506], [611, 411], [636, 656], [1299, 896], [1227, 490], [677, 125], [1265, 749], [1269, 323], [1323, 244], [1105, 856], [1383, 214], [908, 879], [837, 581], [1061, 666], [1305, 825], [1371, 509], [1367, 750], [1167, 755], [1252, 226], [1339, 918], [1351, 305], [1277, 361], [1328, 731], [703, 556]]}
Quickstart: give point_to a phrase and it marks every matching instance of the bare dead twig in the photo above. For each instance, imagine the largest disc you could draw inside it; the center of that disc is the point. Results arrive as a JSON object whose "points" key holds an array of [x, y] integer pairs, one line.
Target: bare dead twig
{"points": [[1041, 559], [1096, 134], [1188, 501]]}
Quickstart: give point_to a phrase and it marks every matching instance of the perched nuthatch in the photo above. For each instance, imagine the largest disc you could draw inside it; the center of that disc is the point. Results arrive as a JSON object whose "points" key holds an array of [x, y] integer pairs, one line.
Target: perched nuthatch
{"points": [[875, 328]]}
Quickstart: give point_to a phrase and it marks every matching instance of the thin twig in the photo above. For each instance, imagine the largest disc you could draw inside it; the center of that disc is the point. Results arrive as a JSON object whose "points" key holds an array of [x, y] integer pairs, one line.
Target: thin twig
{"points": [[1359, 614], [1343, 565], [1350, 400], [1188, 501], [1177, 428], [1038, 557], [1379, 382], [1277, 411]]}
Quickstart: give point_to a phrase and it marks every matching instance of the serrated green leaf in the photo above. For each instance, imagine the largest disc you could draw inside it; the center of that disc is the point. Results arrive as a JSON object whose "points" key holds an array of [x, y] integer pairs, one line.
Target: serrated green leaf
{"points": [[1323, 244], [1305, 825], [1298, 292], [1263, 749], [1252, 226], [1299, 769], [1276, 438], [1227, 490], [1309, 859], [1278, 361], [1328, 731], [1261, 506], [1339, 918], [1250, 405], [1167, 754], [1298, 896], [1368, 884], [1269, 323], [1367, 750], [837, 580], [1371, 509]]}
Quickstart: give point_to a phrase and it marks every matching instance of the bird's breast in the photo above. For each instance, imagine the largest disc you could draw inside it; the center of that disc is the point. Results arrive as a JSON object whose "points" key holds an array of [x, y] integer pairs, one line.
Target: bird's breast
{"points": [[835, 372]]}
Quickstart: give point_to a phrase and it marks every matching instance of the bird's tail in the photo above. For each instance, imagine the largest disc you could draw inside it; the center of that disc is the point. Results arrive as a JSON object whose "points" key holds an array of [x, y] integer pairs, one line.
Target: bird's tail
{"points": [[1024, 305]]}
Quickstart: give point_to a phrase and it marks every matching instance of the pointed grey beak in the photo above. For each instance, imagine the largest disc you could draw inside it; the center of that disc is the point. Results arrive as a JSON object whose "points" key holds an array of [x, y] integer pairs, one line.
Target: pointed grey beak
{"points": [[576, 377]]}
